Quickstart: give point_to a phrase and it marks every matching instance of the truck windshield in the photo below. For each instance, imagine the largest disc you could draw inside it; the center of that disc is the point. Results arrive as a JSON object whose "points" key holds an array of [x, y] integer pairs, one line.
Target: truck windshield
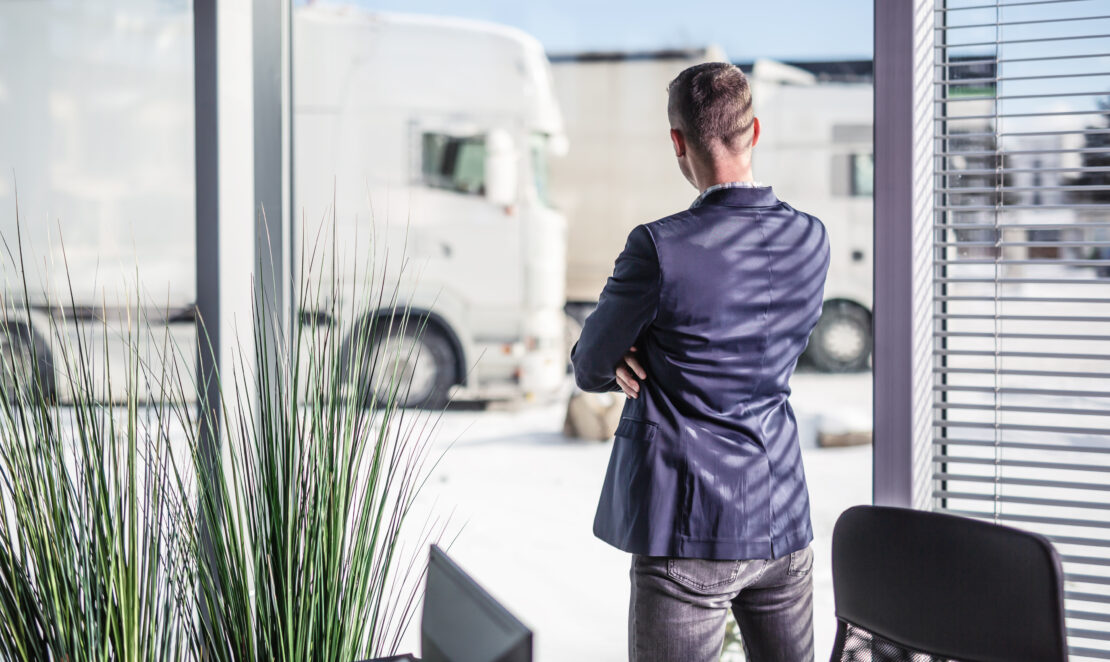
{"points": [[538, 149], [456, 163]]}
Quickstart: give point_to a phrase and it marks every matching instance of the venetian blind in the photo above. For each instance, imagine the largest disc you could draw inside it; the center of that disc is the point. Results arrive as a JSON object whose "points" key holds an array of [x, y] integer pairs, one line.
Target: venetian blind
{"points": [[1022, 282]]}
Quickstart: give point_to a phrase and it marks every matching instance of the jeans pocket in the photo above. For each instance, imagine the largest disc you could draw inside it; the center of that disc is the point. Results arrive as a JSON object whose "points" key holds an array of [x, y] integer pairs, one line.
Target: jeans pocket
{"points": [[801, 562], [703, 574]]}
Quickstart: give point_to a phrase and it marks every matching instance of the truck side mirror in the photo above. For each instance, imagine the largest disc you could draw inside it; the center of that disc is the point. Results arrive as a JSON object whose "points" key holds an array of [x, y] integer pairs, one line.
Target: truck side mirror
{"points": [[501, 170]]}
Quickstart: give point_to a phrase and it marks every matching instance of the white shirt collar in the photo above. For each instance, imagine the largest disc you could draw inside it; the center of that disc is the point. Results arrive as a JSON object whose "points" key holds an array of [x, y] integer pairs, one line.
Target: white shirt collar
{"points": [[717, 187]]}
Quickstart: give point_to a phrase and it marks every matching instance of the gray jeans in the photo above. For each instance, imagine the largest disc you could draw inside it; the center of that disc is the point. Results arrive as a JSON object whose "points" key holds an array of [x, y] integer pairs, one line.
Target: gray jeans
{"points": [[678, 607]]}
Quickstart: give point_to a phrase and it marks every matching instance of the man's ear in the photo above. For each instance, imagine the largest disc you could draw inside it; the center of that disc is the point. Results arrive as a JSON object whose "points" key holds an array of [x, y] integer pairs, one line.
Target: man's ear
{"points": [[679, 142], [755, 131]]}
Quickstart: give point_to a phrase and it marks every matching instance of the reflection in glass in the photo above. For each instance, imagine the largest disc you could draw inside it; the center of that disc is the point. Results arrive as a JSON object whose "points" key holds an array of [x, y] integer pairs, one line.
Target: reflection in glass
{"points": [[96, 140]]}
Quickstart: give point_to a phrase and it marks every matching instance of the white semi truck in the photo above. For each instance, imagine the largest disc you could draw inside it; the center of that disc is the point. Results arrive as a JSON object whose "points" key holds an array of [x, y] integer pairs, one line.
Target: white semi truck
{"points": [[815, 150], [429, 134], [434, 134]]}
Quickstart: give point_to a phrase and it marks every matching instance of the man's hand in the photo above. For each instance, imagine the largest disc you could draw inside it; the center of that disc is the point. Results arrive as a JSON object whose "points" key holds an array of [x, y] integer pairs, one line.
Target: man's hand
{"points": [[628, 371]]}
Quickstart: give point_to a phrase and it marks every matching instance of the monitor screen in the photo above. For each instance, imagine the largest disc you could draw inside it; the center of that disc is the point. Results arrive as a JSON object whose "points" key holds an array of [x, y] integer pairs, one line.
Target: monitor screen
{"points": [[463, 623]]}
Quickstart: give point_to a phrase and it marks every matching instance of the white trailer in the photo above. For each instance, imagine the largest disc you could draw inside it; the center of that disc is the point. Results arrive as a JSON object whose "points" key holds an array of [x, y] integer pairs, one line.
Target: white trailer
{"points": [[815, 151], [439, 128], [96, 141]]}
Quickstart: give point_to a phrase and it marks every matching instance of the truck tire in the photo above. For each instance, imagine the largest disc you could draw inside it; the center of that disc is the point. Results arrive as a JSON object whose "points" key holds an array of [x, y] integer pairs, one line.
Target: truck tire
{"points": [[22, 377], [842, 340], [421, 359]]}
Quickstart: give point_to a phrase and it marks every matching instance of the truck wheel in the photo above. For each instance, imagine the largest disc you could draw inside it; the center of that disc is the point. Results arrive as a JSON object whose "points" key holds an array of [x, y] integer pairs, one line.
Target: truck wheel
{"points": [[841, 341], [419, 363], [21, 377]]}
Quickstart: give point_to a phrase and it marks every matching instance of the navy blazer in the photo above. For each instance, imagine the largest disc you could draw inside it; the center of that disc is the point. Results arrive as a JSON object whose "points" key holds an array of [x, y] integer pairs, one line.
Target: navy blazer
{"points": [[719, 301]]}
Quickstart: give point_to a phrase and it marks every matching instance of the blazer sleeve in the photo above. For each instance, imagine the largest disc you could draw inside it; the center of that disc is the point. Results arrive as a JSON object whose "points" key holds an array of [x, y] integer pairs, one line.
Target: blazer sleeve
{"points": [[627, 305]]}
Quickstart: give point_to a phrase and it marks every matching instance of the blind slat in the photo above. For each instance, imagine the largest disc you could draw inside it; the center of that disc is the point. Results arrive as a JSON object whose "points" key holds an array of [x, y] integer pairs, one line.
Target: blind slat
{"points": [[1036, 22], [1086, 615], [1026, 464], [1024, 482], [1028, 501], [1033, 40], [1066, 411], [948, 423], [1019, 445], [944, 9], [1006, 299], [1080, 651], [1023, 373], [1031, 519], [1027, 336]]}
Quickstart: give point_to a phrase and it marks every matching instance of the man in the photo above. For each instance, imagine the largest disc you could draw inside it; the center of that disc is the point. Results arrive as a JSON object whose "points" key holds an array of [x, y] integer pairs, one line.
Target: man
{"points": [[701, 325]]}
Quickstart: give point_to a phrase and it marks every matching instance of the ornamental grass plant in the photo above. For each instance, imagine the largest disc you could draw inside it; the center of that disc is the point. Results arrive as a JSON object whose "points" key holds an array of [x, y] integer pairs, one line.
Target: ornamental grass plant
{"points": [[265, 524]]}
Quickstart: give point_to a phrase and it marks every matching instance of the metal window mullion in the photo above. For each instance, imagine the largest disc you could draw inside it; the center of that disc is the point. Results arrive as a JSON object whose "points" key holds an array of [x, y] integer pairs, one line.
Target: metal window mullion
{"points": [[904, 101]]}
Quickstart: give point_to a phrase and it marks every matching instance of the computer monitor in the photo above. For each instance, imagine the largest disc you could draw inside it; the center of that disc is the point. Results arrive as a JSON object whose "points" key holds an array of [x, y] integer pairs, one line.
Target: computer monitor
{"points": [[463, 623]]}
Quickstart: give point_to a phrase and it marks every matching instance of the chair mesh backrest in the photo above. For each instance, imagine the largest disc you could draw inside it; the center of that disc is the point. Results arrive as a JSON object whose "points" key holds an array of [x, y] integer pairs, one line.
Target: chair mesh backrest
{"points": [[858, 645]]}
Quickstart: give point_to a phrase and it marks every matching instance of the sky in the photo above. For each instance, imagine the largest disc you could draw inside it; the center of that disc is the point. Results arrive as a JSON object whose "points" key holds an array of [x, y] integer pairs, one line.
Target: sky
{"points": [[784, 30]]}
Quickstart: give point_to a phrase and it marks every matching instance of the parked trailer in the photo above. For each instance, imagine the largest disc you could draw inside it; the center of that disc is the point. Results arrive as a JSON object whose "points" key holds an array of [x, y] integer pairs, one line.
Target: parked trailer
{"points": [[815, 151]]}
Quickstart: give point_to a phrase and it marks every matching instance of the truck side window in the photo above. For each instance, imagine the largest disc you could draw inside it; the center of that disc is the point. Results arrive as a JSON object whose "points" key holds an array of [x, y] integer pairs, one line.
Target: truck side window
{"points": [[539, 166], [455, 163], [863, 175]]}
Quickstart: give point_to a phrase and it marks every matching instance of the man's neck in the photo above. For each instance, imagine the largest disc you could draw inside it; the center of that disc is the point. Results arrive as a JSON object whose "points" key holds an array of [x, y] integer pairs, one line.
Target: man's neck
{"points": [[726, 180], [712, 177]]}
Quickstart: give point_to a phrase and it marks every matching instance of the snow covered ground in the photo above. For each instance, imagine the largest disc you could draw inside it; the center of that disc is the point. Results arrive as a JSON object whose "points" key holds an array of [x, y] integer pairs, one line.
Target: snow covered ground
{"points": [[522, 496]]}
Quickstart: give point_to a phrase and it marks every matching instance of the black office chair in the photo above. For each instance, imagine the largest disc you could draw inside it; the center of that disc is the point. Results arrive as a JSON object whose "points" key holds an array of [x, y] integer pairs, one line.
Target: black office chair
{"points": [[913, 586]]}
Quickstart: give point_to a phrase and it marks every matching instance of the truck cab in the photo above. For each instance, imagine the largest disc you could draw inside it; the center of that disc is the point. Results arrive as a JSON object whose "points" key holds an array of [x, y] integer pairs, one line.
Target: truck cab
{"points": [[420, 153]]}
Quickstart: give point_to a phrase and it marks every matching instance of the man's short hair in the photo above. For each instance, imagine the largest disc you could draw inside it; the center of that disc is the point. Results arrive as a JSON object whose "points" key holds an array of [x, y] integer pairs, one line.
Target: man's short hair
{"points": [[711, 101]]}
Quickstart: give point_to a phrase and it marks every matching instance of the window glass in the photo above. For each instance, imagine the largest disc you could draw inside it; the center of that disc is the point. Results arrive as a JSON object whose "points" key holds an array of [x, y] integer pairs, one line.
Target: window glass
{"points": [[96, 160], [511, 148], [863, 175], [539, 152], [455, 163]]}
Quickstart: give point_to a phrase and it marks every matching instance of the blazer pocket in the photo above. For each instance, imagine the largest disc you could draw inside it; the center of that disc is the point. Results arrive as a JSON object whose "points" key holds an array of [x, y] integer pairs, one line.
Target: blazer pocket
{"points": [[636, 428]]}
